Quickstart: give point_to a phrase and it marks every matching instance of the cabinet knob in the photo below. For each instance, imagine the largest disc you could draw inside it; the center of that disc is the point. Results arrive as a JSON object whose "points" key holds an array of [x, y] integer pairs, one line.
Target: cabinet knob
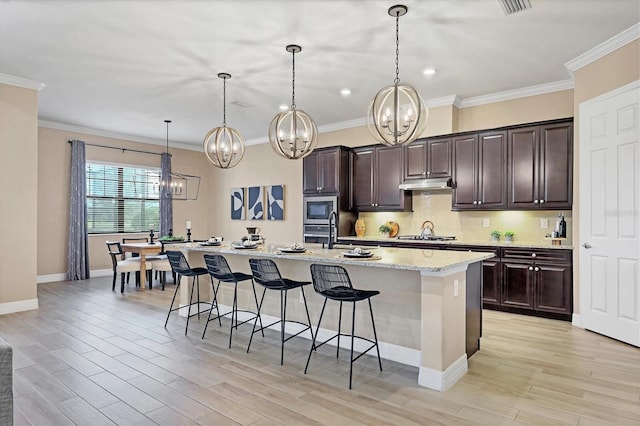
{"points": [[424, 173], [533, 255], [475, 202], [531, 268], [535, 201], [479, 202], [536, 269], [428, 173], [541, 201]]}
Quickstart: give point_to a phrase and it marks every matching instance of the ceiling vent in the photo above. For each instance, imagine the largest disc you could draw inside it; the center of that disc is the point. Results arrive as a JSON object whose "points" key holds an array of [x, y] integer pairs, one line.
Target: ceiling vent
{"points": [[510, 7], [241, 104]]}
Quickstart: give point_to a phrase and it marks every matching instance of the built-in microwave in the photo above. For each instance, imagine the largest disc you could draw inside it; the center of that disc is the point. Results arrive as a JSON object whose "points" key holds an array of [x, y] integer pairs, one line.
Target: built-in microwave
{"points": [[318, 209]]}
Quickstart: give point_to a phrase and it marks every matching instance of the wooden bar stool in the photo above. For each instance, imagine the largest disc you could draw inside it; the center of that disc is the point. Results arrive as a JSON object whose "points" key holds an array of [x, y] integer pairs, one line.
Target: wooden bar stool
{"points": [[332, 282]]}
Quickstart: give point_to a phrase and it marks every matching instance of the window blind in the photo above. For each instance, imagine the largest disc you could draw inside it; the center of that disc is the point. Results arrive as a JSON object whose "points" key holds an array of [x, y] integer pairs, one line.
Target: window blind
{"points": [[122, 199]]}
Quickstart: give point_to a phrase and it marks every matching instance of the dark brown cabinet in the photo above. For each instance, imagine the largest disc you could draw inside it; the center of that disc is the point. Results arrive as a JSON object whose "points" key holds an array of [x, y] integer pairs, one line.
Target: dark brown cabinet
{"points": [[537, 280], [541, 166], [428, 158], [480, 171], [326, 171], [491, 273], [376, 173]]}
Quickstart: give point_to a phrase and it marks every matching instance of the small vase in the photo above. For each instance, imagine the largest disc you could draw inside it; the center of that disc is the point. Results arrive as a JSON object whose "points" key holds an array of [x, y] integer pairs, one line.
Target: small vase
{"points": [[360, 228], [508, 238], [495, 238]]}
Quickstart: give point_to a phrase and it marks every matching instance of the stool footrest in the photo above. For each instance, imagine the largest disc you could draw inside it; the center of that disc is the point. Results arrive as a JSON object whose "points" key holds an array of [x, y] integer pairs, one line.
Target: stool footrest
{"points": [[307, 327], [191, 304], [255, 316], [373, 343]]}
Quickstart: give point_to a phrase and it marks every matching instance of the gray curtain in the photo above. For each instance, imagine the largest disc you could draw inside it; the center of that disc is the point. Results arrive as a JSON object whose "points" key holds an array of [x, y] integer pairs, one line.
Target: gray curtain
{"points": [[78, 247], [166, 204]]}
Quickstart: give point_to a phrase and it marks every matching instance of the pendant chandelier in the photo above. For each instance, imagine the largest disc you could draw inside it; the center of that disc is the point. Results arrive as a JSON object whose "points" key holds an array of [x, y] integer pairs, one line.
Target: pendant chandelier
{"points": [[224, 146], [293, 133], [397, 114], [178, 186]]}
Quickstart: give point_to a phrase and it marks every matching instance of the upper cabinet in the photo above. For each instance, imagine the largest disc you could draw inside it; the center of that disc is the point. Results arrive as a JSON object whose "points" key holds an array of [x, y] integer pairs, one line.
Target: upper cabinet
{"points": [[480, 171], [541, 166], [326, 171], [428, 158], [377, 171]]}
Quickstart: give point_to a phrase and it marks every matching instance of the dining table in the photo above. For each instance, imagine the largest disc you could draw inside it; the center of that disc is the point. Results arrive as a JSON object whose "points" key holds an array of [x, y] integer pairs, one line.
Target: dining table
{"points": [[143, 249]]}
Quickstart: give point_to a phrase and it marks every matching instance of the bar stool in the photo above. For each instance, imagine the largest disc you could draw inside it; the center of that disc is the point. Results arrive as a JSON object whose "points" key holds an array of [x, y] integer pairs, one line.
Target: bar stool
{"points": [[265, 272], [218, 269], [332, 282], [181, 268]]}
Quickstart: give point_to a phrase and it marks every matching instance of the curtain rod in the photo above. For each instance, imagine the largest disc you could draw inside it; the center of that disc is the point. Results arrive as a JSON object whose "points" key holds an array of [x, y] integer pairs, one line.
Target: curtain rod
{"points": [[122, 149]]}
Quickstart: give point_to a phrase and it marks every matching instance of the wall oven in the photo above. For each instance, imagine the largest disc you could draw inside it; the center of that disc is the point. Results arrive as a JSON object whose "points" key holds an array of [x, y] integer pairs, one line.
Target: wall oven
{"points": [[317, 209]]}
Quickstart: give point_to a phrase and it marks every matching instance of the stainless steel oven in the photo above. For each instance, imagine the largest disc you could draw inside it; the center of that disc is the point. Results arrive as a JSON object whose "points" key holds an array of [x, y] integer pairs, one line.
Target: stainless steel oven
{"points": [[317, 210]]}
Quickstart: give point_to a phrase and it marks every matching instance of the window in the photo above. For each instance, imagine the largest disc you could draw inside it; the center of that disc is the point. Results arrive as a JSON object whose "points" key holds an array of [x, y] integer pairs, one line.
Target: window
{"points": [[121, 198]]}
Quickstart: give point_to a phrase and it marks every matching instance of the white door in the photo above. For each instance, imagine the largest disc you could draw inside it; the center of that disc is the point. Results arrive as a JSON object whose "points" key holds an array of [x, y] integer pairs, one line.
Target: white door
{"points": [[609, 214]]}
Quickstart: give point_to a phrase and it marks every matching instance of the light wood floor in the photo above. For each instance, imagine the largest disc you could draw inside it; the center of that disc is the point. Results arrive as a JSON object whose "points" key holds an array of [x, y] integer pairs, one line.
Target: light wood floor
{"points": [[91, 356]]}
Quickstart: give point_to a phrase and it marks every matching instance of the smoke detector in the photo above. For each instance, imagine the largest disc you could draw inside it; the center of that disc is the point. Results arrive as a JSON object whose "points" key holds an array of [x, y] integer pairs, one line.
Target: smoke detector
{"points": [[510, 7]]}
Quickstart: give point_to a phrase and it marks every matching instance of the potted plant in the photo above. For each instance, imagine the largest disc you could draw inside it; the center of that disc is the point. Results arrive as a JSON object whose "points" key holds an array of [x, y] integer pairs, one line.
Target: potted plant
{"points": [[495, 235], [385, 229], [508, 235]]}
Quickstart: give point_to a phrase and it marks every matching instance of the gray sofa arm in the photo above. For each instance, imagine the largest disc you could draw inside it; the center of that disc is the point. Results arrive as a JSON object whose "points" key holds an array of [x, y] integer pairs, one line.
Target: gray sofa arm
{"points": [[6, 383]]}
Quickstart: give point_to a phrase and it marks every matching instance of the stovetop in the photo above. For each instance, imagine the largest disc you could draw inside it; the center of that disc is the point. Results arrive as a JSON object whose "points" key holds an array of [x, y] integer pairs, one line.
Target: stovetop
{"points": [[426, 237]]}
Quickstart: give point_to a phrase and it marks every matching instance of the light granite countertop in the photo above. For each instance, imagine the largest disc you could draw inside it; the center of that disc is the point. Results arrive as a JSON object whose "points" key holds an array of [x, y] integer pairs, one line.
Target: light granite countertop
{"points": [[424, 260], [545, 244]]}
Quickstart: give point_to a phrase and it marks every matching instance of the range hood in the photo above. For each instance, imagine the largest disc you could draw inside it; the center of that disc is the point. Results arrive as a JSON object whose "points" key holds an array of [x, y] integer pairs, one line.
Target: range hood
{"points": [[442, 184]]}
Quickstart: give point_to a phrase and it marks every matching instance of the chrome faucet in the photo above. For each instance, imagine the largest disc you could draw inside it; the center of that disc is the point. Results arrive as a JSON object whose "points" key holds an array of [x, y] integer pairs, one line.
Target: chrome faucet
{"points": [[333, 221]]}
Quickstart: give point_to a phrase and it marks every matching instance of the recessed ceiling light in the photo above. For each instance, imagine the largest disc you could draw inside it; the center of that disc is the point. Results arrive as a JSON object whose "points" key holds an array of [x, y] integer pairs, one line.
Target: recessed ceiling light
{"points": [[284, 107], [345, 92], [429, 71]]}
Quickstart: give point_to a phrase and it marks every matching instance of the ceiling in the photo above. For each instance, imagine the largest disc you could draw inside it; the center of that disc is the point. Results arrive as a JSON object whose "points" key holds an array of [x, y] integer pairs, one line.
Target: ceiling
{"points": [[126, 66]]}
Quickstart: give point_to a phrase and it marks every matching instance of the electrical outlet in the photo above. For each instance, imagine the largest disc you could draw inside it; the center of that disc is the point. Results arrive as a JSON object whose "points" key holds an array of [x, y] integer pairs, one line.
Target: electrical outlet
{"points": [[485, 222], [544, 223], [456, 288]]}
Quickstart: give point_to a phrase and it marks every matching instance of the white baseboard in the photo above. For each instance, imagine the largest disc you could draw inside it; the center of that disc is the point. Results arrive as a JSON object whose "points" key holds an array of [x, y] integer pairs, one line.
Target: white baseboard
{"points": [[576, 321], [51, 278], [401, 354], [443, 380], [19, 306]]}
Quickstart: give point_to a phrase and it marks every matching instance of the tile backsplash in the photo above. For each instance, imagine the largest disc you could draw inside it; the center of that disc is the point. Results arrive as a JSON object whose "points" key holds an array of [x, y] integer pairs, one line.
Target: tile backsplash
{"points": [[436, 207]]}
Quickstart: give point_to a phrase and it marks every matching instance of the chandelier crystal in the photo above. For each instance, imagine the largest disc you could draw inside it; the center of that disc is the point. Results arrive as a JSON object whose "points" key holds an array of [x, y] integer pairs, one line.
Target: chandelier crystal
{"points": [[224, 146], [397, 114], [293, 133]]}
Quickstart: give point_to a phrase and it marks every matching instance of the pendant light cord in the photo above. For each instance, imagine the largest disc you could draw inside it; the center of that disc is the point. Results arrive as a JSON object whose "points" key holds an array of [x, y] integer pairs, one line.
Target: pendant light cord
{"points": [[167, 121], [397, 79], [224, 102], [293, 82]]}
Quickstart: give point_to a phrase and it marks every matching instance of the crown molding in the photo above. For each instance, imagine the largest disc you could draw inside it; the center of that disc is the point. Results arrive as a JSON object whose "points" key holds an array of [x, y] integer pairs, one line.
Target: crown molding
{"points": [[452, 100], [614, 43], [21, 82], [114, 135], [524, 92]]}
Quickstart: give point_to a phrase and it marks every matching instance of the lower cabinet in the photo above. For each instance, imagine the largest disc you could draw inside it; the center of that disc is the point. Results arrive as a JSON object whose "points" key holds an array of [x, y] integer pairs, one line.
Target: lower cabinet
{"points": [[538, 281]]}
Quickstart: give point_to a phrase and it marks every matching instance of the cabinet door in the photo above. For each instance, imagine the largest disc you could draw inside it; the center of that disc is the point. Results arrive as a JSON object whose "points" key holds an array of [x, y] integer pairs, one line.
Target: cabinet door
{"points": [[554, 292], [517, 284], [556, 165], [439, 158], [388, 174], [328, 171], [310, 173], [465, 170], [492, 170], [491, 282], [362, 181], [523, 168], [415, 166]]}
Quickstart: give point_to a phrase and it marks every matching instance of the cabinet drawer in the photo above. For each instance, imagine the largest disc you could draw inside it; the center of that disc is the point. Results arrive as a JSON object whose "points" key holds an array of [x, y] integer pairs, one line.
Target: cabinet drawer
{"points": [[537, 255]]}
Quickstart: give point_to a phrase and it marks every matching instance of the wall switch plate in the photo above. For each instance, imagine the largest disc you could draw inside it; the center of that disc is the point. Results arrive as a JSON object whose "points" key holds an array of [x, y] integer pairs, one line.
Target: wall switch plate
{"points": [[456, 288], [485, 222], [544, 223]]}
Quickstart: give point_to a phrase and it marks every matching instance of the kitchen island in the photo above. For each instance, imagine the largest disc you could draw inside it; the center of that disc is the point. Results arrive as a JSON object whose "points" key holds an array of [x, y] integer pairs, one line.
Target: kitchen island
{"points": [[428, 313]]}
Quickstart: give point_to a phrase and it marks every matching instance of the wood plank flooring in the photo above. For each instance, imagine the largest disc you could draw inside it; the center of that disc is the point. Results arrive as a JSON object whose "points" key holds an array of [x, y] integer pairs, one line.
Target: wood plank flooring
{"points": [[90, 356]]}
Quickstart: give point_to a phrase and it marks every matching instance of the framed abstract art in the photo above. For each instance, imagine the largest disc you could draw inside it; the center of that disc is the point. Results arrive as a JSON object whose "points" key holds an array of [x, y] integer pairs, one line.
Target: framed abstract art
{"points": [[237, 204], [275, 202], [255, 203]]}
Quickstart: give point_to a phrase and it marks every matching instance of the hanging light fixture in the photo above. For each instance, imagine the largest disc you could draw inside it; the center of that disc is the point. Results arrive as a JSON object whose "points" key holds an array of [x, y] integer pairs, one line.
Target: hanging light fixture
{"points": [[397, 114], [293, 133], [179, 186], [224, 145]]}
